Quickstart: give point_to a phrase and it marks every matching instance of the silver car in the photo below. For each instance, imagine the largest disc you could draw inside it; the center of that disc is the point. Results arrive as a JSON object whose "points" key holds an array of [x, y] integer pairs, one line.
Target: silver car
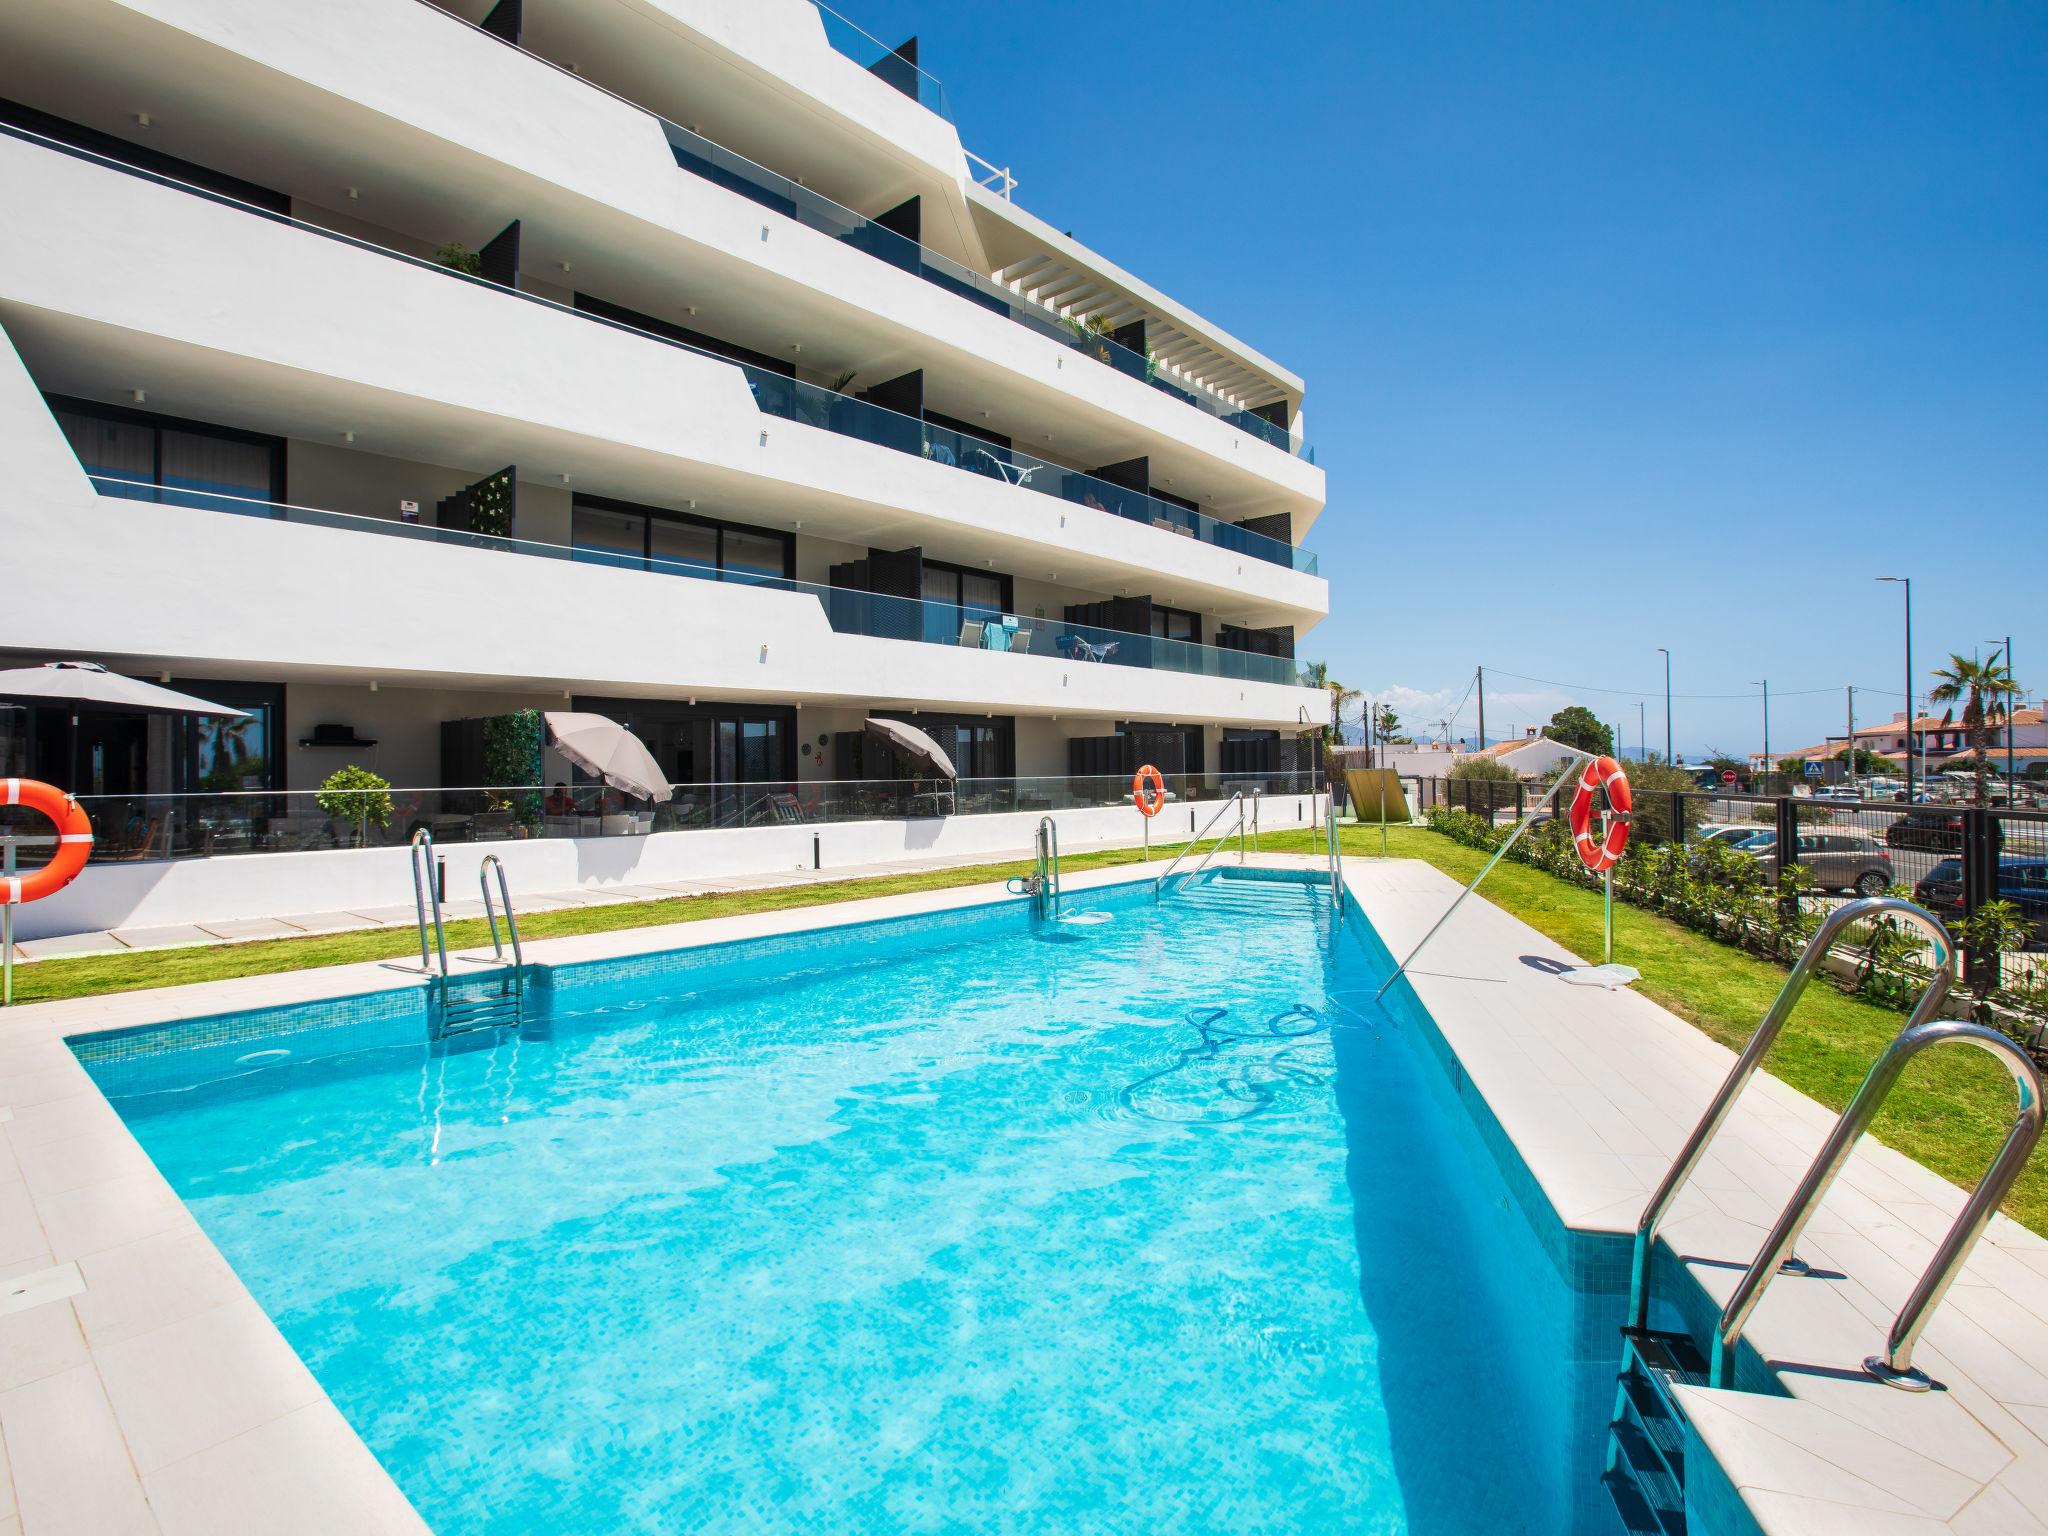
{"points": [[1838, 861]]}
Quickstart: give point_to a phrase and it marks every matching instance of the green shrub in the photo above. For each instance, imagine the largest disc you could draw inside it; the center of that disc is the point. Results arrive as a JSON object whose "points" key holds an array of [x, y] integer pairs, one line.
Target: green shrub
{"points": [[356, 796], [457, 257]]}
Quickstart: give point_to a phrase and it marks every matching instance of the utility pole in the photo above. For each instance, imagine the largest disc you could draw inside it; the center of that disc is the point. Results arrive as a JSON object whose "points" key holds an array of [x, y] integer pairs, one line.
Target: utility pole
{"points": [[1765, 684], [1907, 583], [1642, 751], [1482, 709], [1668, 758], [1852, 739]]}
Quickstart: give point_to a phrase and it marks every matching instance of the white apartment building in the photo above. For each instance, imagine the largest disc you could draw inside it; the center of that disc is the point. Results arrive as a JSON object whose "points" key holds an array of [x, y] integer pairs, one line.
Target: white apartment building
{"points": [[384, 366]]}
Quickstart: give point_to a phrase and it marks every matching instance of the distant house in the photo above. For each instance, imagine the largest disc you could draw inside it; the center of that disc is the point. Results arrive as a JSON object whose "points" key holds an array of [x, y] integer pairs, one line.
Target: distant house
{"points": [[1532, 756]]}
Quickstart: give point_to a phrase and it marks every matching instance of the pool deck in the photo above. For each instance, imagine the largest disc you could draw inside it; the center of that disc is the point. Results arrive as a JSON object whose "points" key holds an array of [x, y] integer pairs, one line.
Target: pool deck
{"points": [[142, 1389], [1598, 1091]]}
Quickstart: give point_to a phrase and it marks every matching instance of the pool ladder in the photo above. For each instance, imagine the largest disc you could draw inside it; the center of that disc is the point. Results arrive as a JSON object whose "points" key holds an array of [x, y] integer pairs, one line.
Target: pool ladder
{"points": [[1234, 803], [453, 1010], [1645, 1470]]}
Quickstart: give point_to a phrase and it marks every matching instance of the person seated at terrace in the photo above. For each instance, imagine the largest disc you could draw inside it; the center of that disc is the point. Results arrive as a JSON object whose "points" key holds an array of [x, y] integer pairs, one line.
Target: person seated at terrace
{"points": [[560, 802]]}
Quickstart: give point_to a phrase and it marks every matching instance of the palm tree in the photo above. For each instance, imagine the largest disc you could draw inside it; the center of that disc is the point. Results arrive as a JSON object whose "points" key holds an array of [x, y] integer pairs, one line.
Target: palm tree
{"points": [[1316, 674], [1985, 689]]}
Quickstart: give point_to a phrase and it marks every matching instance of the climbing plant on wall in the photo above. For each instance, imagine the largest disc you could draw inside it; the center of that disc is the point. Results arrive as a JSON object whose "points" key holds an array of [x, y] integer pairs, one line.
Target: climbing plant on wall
{"points": [[512, 761]]}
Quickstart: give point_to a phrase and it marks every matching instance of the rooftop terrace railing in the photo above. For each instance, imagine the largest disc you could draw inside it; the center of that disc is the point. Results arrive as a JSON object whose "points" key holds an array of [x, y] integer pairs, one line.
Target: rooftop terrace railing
{"points": [[135, 828], [848, 610], [736, 173], [878, 58], [811, 404]]}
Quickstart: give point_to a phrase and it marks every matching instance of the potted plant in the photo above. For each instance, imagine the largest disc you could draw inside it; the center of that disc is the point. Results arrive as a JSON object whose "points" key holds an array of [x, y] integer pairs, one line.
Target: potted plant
{"points": [[358, 797]]}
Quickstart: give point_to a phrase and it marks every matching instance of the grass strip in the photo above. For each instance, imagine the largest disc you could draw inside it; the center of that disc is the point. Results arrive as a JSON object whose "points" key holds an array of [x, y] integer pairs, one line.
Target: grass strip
{"points": [[1951, 1110]]}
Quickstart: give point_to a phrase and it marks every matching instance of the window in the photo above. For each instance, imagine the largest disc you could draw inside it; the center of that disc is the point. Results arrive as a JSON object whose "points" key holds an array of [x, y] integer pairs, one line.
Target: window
{"points": [[159, 458], [620, 532], [972, 595], [1177, 624]]}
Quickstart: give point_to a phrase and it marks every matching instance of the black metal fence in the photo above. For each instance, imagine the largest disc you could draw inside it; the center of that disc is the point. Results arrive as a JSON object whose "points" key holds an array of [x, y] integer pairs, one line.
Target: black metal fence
{"points": [[1954, 860]]}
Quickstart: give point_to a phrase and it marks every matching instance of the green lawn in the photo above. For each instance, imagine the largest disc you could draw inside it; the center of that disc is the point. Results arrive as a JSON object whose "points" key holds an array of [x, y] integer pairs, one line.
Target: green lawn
{"points": [[1950, 1111]]}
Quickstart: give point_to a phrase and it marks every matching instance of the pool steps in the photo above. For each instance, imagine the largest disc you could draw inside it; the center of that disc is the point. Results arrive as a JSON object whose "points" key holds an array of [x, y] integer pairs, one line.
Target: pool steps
{"points": [[1645, 1472]]}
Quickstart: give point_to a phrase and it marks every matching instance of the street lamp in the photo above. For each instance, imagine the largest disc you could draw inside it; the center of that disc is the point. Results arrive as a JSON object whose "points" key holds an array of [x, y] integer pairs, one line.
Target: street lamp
{"points": [[1766, 686], [1668, 759], [2010, 732], [1907, 583]]}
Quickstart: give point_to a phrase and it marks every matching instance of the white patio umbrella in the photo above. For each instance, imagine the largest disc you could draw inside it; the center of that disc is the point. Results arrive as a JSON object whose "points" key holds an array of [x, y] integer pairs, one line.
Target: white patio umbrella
{"points": [[82, 686], [913, 746], [607, 749]]}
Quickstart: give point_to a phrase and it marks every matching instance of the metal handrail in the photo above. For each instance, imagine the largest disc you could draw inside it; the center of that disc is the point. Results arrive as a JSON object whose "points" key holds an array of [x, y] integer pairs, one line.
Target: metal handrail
{"points": [[420, 854], [483, 879], [1753, 1054], [1047, 888], [1336, 859], [1237, 800], [1895, 1366], [1564, 776]]}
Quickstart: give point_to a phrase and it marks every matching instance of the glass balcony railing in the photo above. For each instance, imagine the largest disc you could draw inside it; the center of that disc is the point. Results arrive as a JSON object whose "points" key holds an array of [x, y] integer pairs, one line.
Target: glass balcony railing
{"points": [[812, 404], [877, 58], [847, 610], [779, 395], [760, 185], [202, 824], [699, 155]]}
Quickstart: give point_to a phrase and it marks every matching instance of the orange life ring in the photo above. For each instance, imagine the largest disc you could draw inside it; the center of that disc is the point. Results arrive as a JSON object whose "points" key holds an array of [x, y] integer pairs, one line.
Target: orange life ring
{"points": [[74, 840], [1153, 803], [1601, 853]]}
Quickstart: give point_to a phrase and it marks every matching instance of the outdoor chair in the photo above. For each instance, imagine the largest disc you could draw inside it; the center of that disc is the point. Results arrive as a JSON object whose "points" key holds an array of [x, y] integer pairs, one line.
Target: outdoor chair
{"points": [[970, 633]]}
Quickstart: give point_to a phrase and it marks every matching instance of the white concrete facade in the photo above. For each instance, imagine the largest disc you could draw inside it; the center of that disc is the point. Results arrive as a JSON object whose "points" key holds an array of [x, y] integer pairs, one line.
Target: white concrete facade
{"points": [[229, 217]]}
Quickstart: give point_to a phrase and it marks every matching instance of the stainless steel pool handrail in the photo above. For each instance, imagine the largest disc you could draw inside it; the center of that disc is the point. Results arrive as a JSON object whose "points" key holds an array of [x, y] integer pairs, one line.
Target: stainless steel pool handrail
{"points": [[1895, 1366], [484, 869], [1564, 776], [1752, 1056], [425, 889], [1046, 884], [1336, 858], [1236, 799]]}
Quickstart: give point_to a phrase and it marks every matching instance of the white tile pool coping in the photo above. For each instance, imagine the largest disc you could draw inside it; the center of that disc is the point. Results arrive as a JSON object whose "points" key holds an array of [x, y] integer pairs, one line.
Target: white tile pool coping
{"points": [[142, 1388]]}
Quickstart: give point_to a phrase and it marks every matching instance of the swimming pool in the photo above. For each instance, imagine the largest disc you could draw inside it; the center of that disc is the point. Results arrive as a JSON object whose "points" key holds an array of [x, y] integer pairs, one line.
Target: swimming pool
{"points": [[961, 1222]]}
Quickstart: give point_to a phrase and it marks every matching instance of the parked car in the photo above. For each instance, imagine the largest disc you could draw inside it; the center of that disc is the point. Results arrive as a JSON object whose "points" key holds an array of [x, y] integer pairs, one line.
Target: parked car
{"points": [[1724, 831], [2022, 880], [1936, 831], [1837, 792], [1836, 861]]}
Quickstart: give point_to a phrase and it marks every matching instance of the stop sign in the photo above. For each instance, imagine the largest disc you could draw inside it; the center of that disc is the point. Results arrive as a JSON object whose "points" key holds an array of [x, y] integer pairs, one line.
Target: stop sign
{"points": [[1727, 775]]}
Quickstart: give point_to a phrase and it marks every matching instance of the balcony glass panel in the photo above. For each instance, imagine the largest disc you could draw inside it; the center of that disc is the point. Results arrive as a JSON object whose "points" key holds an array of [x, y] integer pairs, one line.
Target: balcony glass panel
{"points": [[848, 611], [793, 400]]}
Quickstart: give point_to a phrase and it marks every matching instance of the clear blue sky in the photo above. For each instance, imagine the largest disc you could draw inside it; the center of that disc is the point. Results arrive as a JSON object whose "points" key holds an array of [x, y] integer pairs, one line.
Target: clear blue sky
{"points": [[1623, 326]]}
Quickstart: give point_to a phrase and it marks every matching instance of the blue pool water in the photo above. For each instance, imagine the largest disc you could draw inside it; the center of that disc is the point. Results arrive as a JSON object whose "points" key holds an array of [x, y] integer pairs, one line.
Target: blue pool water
{"points": [[963, 1223]]}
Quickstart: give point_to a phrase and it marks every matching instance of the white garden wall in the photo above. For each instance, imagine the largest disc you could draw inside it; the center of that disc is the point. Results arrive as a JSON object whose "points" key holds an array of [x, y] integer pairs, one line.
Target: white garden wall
{"points": [[165, 892]]}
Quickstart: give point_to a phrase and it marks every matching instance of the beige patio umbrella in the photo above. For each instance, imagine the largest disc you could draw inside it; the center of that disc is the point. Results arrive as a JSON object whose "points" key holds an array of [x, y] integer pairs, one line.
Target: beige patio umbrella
{"points": [[86, 686], [913, 746], [608, 750]]}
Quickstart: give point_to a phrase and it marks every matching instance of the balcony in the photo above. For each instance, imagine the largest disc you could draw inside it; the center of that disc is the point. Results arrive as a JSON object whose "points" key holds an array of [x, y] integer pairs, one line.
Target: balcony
{"points": [[847, 611], [813, 405], [702, 157], [893, 66]]}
